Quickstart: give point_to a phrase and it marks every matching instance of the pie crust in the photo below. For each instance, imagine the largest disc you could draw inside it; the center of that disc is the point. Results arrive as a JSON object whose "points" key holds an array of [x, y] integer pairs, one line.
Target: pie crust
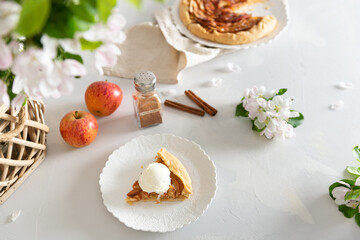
{"points": [[210, 23], [180, 188]]}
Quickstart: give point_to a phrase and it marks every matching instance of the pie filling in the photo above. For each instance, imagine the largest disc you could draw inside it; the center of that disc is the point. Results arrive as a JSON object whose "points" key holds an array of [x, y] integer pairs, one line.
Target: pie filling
{"points": [[221, 15], [174, 192]]}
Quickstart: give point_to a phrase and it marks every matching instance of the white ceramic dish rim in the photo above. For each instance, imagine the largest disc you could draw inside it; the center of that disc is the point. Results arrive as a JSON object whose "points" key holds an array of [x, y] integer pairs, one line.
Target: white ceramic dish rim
{"points": [[185, 223], [180, 26]]}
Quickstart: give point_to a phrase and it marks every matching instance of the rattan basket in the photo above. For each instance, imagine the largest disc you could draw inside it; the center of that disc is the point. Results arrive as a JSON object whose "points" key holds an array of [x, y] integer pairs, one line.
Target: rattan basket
{"points": [[22, 144]]}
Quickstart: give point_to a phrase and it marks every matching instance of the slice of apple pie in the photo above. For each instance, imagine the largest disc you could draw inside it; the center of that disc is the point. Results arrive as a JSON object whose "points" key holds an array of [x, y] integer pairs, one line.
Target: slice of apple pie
{"points": [[166, 179]]}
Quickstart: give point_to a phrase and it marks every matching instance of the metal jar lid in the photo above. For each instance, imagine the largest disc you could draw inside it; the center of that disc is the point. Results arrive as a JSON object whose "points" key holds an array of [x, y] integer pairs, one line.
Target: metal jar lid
{"points": [[145, 81]]}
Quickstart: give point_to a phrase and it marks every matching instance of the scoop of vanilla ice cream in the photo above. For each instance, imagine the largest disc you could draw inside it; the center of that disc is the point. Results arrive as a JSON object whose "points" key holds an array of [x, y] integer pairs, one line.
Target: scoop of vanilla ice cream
{"points": [[155, 178]]}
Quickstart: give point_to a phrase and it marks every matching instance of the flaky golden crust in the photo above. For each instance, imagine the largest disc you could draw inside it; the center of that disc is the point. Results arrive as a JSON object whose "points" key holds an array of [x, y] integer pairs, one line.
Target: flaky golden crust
{"points": [[178, 172], [264, 27], [154, 198], [176, 167], [184, 12]]}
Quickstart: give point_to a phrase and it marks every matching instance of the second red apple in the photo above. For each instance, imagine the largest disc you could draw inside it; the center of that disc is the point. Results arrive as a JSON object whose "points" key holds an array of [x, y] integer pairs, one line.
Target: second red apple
{"points": [[102, 98]]}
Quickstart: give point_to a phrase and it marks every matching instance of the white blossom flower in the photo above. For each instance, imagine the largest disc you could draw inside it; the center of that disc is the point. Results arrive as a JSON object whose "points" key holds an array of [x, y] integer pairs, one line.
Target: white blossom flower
{"points": [[18, 101], [259, 124], [106, 56], [16, 47], [60, 80], [270, 112], [112, 32], [344, 183], [31, 68], [4, 97], [96, 33], [43, 77], [73, 68], [267, 133], [357, 182], [339, 195], [37, 71], [71, 45], [282, 107], [251, 94], [50, 46], [6, 58], [285, 130], [353, 203], [116, 23], [9, 16], [109, 34]]}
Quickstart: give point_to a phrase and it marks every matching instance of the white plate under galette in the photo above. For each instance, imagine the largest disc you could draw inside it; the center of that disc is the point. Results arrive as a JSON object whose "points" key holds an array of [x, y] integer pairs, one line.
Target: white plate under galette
{"points": [[277, 8], [125, 166]]}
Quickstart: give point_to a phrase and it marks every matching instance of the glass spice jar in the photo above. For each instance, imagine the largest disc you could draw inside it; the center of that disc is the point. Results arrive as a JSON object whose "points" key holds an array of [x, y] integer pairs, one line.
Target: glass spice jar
{"points": [[147, 103]]}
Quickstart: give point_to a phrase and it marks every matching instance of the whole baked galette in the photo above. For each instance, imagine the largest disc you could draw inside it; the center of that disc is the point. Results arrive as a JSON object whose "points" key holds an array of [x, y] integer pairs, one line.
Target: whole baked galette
{"points": [[225, 21]]}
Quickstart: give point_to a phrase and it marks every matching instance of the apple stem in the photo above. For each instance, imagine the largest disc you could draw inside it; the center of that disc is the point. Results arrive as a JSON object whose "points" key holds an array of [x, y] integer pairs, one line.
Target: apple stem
{"points": [[76, 115]]}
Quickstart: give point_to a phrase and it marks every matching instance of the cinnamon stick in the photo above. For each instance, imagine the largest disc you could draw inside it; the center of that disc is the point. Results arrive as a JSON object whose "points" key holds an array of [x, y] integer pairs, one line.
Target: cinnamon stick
{"points": [[184, 108], [201, 103]]}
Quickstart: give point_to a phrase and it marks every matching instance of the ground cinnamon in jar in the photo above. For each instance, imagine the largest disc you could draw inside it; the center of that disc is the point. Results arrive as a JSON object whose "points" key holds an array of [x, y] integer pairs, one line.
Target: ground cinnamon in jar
{"points": [[147, 103]]}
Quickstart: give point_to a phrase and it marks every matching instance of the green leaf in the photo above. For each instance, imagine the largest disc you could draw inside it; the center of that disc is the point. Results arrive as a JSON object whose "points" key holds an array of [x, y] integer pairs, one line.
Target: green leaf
{"points": [[104, 8], [347, 211], [76, 57], [91, 2], [33, 17], [356, 153], [352, 195], [295, 122], [88, 45], [10, 93], [337, 184], [3, 73], [85, 11], [357, 219], [61, 22], [61, 55], [81, 25], [8, 78], [137, 3], [354, 171], [281, 91], [240, 111]]}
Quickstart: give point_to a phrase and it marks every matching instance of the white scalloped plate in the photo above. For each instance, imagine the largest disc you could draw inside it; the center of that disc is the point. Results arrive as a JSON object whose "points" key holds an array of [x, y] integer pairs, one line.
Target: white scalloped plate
{"points": [[277, 8], [124, 167]]}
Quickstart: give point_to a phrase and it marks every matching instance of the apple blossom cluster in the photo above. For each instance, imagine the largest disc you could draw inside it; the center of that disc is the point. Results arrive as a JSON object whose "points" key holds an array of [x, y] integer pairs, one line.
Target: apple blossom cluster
{"points": [[48, 68], [340, 192], [346, 192], [269, 112]]}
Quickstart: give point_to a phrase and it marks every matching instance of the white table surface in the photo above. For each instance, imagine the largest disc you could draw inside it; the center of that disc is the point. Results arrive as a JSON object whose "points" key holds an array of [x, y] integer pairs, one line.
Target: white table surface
{"points": [[266, 189]]}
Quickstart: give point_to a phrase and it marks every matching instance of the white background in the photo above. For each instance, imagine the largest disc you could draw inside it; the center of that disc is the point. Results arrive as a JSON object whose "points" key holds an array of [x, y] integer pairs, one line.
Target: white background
{"points": [[266, 189]]}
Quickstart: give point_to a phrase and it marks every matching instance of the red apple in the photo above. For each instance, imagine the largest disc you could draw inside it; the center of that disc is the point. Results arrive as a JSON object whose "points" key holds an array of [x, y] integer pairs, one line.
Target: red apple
{"points": [[78, 128], [103, 98]]}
